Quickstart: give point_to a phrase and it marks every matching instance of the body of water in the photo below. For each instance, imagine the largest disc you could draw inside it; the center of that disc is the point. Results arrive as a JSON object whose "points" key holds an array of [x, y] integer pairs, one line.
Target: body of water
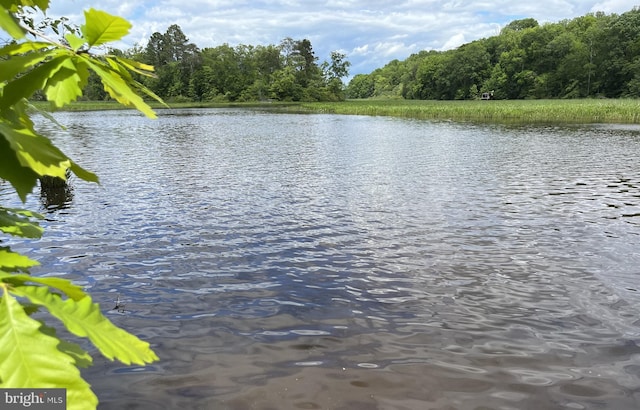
{"points": [[280, 261]]}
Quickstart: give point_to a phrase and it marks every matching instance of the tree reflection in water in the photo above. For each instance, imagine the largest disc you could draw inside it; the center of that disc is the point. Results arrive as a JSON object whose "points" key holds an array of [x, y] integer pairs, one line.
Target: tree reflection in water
{"points": [[55, 193]]}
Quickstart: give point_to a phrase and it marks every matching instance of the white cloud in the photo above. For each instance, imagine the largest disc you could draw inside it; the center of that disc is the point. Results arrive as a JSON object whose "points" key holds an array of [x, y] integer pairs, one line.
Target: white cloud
{"points": [[615, 6], [454, 42], [375, 31]]}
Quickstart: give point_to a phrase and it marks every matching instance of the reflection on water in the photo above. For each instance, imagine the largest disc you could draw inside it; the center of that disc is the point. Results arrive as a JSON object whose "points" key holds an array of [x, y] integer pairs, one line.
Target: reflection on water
{"points": [[55, 193], [312, 262]]}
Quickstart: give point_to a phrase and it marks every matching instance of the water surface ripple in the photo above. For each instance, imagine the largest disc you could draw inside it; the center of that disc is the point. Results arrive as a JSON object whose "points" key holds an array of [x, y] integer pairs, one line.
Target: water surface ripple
{"points": [[280, 261]]}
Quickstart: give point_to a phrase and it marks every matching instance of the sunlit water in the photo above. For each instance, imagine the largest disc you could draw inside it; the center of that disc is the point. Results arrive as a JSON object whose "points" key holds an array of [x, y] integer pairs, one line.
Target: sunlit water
{"points": [[281, 261]]}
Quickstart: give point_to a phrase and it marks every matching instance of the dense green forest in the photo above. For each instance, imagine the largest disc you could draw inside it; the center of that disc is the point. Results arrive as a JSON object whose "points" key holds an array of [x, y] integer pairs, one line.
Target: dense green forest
{"points": [[288, 71], [596, 55]]}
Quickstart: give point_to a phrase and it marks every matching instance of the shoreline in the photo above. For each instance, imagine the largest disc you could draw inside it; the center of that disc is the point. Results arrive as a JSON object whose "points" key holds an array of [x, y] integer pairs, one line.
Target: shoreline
{"points": [[592, 111]]}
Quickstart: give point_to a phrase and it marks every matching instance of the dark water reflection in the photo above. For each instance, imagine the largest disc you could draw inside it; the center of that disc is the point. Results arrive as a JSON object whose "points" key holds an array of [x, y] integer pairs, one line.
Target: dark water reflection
{"points": [[312, 262]]}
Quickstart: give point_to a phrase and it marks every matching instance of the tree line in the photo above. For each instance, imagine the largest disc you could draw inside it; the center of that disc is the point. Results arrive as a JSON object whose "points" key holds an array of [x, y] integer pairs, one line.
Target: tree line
{"points": [[288, 71], [596, 55]]}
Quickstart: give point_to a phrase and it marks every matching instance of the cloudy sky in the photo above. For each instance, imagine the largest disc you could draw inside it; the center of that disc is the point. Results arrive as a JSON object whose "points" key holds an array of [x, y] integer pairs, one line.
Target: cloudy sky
{"points": [[370, 32]]}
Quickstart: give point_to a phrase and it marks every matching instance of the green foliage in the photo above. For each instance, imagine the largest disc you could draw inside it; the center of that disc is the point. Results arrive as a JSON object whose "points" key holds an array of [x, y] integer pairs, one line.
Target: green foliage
{"points": [[83, 318], [101, 28], [16, 222], [620, 111], [361, 86], [523, 24], [287, 72], [32, 358], [595, 55], [31, 355], [15, 261]]}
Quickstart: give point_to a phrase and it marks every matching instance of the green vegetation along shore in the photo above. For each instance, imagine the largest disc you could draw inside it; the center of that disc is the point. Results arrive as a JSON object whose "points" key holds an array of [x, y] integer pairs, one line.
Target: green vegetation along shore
{"points": [[622, 111], [113, 105]]}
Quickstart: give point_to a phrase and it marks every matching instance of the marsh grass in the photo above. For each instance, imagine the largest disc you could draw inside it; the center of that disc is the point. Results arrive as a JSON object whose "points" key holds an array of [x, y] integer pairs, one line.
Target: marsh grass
{"points": [[623, 111], [509, 111], [111, 105]]}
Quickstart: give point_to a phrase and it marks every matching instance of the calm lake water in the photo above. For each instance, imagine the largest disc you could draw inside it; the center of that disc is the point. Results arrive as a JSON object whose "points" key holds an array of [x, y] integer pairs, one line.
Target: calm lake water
{"points": [[279, 261]]}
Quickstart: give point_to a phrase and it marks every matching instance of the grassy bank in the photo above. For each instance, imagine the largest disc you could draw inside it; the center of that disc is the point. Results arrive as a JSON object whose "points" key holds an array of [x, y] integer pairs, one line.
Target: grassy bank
{"points": [[523, 111], [112, 105], [621, 111]]}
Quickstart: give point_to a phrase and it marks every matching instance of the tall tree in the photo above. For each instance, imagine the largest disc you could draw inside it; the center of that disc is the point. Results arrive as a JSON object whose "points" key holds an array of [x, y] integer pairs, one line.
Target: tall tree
{"points": [[307, 69], [155, 52], [176, 61], [338, 67]]}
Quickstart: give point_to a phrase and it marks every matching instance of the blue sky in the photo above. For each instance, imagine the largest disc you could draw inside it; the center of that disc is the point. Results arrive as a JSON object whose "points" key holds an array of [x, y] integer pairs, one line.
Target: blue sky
{"points": [[370, 32]]}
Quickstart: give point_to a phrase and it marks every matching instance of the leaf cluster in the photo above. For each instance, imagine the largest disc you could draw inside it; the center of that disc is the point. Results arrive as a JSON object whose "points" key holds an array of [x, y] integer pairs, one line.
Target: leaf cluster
{"points": [[31, 355], [61, 72]]}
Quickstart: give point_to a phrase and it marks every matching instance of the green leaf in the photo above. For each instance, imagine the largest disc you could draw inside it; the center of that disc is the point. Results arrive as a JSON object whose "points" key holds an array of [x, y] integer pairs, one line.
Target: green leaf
{"points": [[83, 173], [14, 65], [119, 89], [80, 356], [83, 318], [45, 114], [21, 48], [11, 260], [32, 359], [122, 69], [25, 155], [140, 68], [16, 222], [29, 308], [73, 291], [25, 85], [22, 179], [74, 41], [35, 152], [9, 24], [18, 114], [41, 4], [101, 27], [66, 84]]}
